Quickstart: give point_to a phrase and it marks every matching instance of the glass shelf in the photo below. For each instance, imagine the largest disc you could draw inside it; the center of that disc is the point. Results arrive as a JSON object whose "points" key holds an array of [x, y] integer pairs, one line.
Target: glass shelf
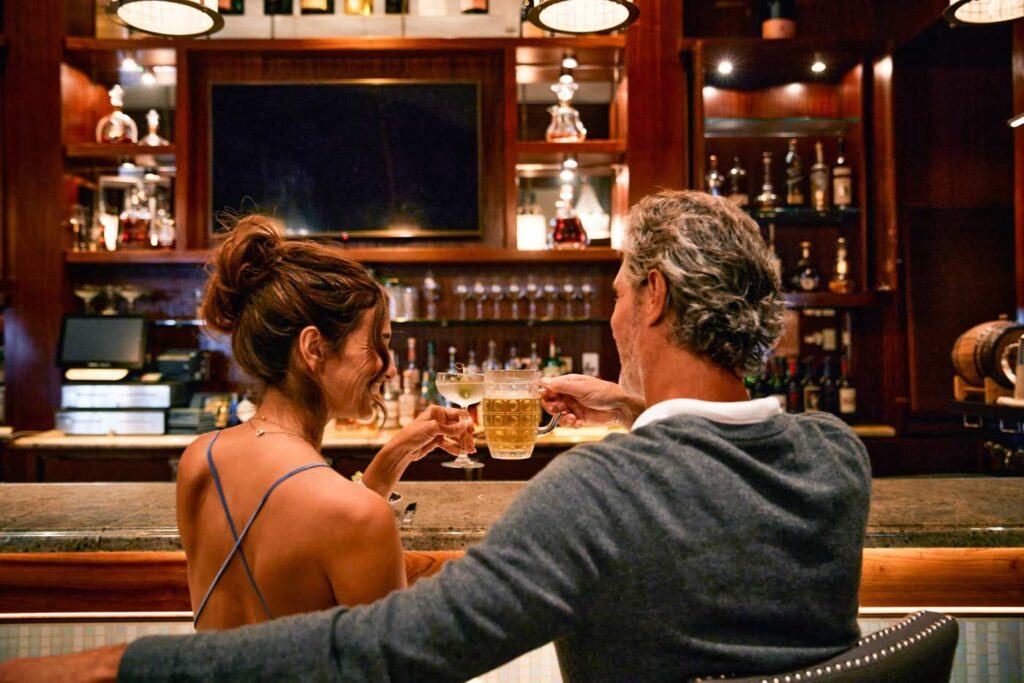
{"points": [[793, 127], [487, 322], [803, 215]]}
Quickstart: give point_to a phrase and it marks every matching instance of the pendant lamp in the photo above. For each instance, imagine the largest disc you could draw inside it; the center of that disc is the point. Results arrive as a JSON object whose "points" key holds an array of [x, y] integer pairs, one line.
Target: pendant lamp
{"points": [[580, 16], [983, 11], [168, 18]]}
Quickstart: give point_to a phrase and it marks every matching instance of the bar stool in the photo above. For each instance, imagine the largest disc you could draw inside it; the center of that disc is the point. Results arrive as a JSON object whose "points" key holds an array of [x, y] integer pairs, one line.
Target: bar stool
{"points": [[918, 649]]}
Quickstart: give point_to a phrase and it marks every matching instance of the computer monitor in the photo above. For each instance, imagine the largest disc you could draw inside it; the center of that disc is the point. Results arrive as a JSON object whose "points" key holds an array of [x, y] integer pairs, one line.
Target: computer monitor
{"points": [[103, 341]]}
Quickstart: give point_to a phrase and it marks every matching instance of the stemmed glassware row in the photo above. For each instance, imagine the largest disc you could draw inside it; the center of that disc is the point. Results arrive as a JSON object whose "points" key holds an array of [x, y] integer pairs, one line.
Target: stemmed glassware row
{"points": [[540, 299]]}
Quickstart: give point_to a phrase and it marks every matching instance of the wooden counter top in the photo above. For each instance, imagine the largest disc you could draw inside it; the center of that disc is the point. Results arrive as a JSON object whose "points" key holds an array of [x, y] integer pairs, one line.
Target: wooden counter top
{"points": [[905, 513], [333, 440]]}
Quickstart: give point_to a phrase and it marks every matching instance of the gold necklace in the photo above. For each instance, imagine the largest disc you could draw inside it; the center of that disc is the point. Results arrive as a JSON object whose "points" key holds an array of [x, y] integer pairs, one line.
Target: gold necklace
{"points": [[284, 430]]}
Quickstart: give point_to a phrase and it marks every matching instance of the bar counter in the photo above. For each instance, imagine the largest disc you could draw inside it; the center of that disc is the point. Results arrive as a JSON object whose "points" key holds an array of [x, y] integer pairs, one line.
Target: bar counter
{"points": [[964, 512]]}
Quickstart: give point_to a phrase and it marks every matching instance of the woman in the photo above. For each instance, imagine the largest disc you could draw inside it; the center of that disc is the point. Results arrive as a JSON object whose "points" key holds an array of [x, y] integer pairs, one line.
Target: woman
{"points": [[268, 528]]}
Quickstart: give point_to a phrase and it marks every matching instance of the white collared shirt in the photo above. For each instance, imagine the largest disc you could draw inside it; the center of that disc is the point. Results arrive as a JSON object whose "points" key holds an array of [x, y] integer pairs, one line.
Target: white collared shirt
{"points": [[731, 412]]}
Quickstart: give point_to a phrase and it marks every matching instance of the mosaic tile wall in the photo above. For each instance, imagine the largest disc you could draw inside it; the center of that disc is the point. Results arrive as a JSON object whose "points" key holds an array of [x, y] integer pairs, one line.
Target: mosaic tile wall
{"points": [[989, 651]]}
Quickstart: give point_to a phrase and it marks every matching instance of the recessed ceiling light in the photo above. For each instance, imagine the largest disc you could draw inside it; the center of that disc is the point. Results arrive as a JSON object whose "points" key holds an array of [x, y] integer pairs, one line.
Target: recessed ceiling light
{"points": [[129, 64], [148, 79], [565, 78], [818, 67], [1017, 121], [567, 175], [570, 62], [725, 67]]}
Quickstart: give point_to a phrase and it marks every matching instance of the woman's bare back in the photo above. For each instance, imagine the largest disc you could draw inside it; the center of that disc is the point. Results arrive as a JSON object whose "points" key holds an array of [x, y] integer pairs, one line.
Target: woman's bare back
{"points": [[319, 540]]}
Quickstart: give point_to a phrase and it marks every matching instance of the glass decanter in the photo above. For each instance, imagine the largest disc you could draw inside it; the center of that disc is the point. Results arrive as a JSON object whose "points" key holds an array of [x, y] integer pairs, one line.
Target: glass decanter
{"points": [[153, 139], [117, 128], [135, 221], [566, 125], [568, 232]]}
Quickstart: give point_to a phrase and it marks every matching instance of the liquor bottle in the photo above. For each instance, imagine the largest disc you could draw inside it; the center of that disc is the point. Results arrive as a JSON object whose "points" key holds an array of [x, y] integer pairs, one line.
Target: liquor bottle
{"points": [[776, 261], [841, 282], [153, 138], [277, 7], [513, 362], [715, 180], [568, 232], [317, 6], [472, 367], [811, 390], [428, 385], [842, 180], [794, 390], [778, 19], [777, 385], [411, 372], [847, 392], [117, 128], [805, 277], [396, 7], [534, 357], [229, 7], [491, 362], [410, 387], [359, 7], [738, 183], [453, 365], [766, 200], [474, 6], [552, 365], [819, 179], [762, 386], [828, 400], [135, 221], [750, 383], [794, 176], [391, 394]]}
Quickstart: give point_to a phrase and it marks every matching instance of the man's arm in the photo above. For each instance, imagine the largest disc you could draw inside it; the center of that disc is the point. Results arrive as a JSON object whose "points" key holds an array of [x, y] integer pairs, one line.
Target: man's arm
{"points": [[526, 584]]}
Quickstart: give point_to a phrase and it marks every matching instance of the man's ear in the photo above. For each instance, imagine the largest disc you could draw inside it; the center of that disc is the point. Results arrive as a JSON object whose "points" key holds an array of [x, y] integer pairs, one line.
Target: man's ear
{"points": [[311, 347], [654, 299]]}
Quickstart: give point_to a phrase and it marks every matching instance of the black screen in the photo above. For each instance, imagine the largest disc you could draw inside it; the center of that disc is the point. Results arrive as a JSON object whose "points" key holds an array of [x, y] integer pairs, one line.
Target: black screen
{"points": [[332, 158], [103, 341]]}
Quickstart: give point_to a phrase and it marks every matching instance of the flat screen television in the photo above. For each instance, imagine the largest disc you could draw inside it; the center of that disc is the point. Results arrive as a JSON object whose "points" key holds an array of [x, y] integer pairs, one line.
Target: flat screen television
{"points": [[367, 158]]}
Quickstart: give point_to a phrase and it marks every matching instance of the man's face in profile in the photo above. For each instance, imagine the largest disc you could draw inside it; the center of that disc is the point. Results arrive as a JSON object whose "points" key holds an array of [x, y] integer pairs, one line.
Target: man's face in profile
{"points": [[626, 334]]}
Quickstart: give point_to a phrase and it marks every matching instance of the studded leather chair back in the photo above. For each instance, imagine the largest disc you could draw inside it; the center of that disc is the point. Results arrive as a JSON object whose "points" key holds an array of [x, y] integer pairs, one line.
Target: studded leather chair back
{"points": [[918, 649]]}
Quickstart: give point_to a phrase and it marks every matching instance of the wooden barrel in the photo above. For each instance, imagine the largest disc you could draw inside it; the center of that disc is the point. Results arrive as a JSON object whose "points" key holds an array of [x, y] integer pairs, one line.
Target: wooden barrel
{"points": [[988, 350]]}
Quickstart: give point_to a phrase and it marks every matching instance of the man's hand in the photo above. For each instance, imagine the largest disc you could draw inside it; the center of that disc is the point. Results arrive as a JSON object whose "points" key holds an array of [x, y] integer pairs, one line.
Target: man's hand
{"points": [[91, 666], [587, 400]]}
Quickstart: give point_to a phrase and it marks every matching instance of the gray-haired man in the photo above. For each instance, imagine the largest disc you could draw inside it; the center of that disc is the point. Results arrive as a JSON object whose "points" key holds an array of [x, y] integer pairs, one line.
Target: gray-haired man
{"points": [[720, 536]]}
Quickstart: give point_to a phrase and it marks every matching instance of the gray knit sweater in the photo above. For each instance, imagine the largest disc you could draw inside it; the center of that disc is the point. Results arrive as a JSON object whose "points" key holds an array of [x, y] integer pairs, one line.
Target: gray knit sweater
{"points": [[686, 548]]}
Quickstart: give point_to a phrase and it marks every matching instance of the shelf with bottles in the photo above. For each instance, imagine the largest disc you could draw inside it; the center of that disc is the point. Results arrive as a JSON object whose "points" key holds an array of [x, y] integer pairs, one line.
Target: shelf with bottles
{"points": [[804, 215], [834, 300], [92, 151], [486, 322], [781, 127]]}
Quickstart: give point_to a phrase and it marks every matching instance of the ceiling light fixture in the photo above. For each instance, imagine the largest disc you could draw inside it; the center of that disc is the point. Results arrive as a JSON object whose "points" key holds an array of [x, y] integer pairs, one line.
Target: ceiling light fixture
{"points": [[167, 18], [983, 11], [569, 61], [818, 67], [1017, 121], [580, 16], [725, 67], [128, 64]]}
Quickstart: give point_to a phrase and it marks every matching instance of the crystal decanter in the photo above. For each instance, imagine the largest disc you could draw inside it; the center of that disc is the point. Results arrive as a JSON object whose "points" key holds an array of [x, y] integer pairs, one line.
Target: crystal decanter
{"points": [[566, 125], [117, 128], [153, 139]]}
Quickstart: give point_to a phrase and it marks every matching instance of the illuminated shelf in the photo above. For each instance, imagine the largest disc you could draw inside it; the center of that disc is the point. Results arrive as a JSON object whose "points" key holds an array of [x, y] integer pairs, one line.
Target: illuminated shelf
{"points": [[786, 127], [802, 215], [831, 300], [94, 150], [443, 322]]}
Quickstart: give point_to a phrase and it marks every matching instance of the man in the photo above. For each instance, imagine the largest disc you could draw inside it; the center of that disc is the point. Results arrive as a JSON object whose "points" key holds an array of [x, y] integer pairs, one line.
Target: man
{"points": [[720, 536]]}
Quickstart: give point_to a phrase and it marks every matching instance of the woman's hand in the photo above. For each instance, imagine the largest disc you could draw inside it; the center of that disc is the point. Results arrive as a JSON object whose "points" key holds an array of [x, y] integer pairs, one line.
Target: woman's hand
{"points": [[449, 429], [588, 400]]}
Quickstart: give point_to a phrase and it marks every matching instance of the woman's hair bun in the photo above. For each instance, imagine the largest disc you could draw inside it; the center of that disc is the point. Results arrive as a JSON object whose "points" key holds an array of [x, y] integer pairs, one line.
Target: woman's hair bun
{"points": [[245, 259]]}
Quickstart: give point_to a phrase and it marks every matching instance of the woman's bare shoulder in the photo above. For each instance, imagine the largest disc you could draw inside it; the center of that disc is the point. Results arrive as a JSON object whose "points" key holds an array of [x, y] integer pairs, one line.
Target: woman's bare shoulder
{"points": [[348, 506]]}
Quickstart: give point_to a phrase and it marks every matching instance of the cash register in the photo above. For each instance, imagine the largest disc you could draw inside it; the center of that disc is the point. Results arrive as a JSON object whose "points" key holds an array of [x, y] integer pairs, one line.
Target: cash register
{"points": [[106, 388]]}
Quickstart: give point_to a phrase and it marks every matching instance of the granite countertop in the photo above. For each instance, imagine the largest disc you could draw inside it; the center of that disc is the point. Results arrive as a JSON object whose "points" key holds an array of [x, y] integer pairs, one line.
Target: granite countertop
{"points": [[905, 512]]}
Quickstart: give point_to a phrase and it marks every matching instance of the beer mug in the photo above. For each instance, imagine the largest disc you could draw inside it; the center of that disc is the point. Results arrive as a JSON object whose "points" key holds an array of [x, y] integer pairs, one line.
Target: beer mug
{"points": [[511, 413]]}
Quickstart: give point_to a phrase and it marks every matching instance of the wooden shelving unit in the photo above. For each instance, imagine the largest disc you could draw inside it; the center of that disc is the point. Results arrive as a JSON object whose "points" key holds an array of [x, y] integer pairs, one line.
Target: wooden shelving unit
{"points": [[369, 255], [831, 300], [86, 151], [530, 147]]}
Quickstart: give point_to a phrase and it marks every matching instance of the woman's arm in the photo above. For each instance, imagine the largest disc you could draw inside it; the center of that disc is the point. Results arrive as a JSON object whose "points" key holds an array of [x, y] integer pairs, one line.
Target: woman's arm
{"points": [[445, 428]]}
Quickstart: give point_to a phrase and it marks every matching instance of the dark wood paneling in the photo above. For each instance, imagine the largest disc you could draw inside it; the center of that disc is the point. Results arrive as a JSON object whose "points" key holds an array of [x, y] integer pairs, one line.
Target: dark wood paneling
{"points": [[658, 119], [739, 18], [33, 168], [809, 99], [488, 68], [83, 103], [960, 273]]}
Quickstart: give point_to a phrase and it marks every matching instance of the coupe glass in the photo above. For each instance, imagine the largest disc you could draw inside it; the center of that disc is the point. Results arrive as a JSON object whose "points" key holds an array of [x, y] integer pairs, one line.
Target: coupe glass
{"points": [[464, 295], [497, 294], [480, 296], [463, 389], [551, 297], [516, 293], [87, 293]]}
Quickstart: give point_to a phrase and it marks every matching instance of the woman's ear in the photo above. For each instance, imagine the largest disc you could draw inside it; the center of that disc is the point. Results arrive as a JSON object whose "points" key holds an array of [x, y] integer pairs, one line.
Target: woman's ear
{"points": [[311, 349]]}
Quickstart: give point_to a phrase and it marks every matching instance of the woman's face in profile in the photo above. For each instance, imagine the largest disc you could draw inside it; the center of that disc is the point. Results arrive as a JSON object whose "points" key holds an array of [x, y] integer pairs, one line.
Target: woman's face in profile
{"points": [[346, 376]]}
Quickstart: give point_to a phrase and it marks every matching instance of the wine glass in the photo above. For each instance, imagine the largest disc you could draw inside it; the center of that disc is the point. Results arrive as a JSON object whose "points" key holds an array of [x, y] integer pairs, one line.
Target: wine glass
{"points": [[569, 295], [87, 293], [464, 295], [534, 294], [587, 294], [497, 294], [463, 389], [480, 296], [516, 293], [551, 297], [432, 293]]}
